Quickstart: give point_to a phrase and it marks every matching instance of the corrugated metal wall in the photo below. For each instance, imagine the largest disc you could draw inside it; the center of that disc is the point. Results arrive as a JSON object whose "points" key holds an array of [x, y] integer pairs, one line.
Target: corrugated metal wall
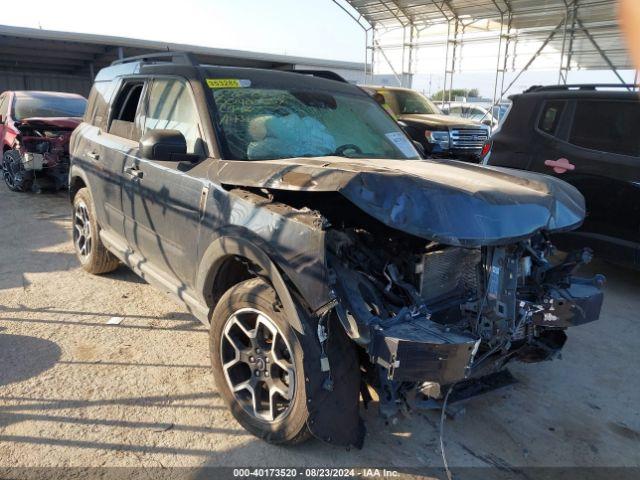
{"points": [[44, 81]]}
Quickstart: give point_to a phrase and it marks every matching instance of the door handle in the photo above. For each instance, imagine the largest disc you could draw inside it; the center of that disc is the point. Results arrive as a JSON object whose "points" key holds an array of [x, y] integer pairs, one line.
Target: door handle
{"points": [[560, 165], [93, 155], [133, 172]]}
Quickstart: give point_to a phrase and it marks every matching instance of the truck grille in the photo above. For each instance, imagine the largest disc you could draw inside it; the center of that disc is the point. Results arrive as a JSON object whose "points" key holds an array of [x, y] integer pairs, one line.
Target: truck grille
{"points": [[468, 138]]}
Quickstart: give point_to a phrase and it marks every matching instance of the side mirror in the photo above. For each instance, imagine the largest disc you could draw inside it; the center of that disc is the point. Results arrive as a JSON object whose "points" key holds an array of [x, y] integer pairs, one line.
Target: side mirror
{"points": [[487, 121], [163, 145], [1, 119]]}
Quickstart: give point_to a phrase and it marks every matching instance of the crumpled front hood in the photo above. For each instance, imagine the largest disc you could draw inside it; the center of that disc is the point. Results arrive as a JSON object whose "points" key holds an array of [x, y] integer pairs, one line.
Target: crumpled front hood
{"points": [[66, 123], [451, 202]]}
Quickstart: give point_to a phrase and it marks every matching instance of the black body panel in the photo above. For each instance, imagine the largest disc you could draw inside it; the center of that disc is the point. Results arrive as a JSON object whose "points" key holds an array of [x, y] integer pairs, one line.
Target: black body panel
{"points": [[608, 179]]}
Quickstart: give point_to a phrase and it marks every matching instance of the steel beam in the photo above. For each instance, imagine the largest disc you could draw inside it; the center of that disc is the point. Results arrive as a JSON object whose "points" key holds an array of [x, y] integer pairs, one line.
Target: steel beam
{"points": [[393, 70], [571, 15], [358, 20], [600, 51], [533, 57], [451, 71], [501, 58]]}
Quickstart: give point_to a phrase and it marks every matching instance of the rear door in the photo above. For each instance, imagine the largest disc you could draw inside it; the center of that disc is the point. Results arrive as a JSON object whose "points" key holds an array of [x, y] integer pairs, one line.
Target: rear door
{"points": [[106, 144], [162, 208], [594, 145]]}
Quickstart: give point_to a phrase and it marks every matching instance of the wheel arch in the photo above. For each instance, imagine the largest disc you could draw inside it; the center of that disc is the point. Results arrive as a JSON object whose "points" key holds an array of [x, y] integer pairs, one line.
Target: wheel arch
{"points": [[77, 180], [231, 260]]}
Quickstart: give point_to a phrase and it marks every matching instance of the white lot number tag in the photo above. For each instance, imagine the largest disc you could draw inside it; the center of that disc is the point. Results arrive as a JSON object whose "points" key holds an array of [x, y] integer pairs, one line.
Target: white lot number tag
{"points": [[402, 143]]}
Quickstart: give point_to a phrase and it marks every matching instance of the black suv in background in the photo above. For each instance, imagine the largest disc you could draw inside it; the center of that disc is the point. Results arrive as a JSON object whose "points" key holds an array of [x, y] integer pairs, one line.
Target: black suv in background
{"points": [[297, 221], [586, 135], [441, 135]]}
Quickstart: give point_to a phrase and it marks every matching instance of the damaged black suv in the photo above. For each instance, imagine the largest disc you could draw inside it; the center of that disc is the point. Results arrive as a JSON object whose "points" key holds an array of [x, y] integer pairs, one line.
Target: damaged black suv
{"points": [[292, 215]]}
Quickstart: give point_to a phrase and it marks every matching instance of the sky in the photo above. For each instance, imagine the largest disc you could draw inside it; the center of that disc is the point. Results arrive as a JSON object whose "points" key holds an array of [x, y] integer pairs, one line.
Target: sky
{"points": [[309, 28]]}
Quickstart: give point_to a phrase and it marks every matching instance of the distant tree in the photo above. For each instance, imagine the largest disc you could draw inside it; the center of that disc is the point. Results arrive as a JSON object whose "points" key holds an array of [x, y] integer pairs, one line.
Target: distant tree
{"points": [[456, 92]]}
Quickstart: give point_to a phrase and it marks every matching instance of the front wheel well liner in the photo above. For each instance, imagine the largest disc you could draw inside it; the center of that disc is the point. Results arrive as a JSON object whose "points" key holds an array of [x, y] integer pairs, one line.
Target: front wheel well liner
{"points": [[75, 184], [232, 271]]}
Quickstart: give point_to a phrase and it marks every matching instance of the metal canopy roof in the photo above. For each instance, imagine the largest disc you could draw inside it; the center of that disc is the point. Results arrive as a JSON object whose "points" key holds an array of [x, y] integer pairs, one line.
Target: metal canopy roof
{"points": [[48, 51], [595, 39]]}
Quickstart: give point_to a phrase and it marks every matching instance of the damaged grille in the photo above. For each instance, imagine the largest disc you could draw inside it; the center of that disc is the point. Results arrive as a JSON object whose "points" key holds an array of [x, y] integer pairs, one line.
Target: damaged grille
{"points": [[468, 138], [448, 272]]}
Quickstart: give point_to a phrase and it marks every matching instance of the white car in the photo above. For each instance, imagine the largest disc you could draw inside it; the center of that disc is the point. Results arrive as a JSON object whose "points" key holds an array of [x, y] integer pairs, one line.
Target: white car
{"points": [[471, 111]]}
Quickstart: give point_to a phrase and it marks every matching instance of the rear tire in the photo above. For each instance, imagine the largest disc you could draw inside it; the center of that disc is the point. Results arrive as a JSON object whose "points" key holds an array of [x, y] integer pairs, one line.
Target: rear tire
{"points": [[257, 364], [93, 255]]}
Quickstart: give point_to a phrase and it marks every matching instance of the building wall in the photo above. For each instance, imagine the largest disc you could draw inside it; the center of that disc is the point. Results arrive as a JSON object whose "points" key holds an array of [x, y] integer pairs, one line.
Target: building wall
{"points": [[44, 81]]}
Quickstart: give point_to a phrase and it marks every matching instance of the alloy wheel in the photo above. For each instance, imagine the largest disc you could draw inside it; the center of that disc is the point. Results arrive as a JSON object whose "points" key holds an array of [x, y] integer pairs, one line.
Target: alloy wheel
{"points": [[7, 174], [82, 230], [257, 365]]}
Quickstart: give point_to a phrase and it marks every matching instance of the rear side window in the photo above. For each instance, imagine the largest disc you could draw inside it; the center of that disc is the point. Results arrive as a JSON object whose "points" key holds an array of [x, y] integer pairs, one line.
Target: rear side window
{"points": [[89, 113], [607, 126], [98, 109], [550, 117], [3, 105]]}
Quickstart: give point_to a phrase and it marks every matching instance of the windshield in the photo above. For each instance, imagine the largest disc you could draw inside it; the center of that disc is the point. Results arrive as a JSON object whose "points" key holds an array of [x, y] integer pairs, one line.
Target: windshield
{"points": [[38, 105], [261, 124], [410, 102]]}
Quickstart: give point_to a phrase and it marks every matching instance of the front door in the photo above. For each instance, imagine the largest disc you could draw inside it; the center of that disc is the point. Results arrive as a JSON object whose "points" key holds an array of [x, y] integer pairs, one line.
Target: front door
{"points": [[163, 210]]}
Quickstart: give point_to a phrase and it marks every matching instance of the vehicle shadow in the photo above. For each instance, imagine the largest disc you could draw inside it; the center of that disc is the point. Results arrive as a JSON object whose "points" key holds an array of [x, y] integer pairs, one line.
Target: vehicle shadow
{"points": [[25, 314], [124, 274], [23, 357], [40, 233]]}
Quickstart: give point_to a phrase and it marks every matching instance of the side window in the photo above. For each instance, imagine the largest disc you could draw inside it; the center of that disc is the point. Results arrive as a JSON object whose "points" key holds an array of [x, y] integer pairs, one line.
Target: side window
{"points": [[90, 112], [171, 107], [550, 117], [4, 106], [607, 126], [124, 111], [100, 110]]}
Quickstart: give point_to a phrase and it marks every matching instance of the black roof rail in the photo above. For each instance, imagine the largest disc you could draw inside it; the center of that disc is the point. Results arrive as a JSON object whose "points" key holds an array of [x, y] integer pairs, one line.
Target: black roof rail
{"points": [[578, 86], [328, 74], [181, 58]]}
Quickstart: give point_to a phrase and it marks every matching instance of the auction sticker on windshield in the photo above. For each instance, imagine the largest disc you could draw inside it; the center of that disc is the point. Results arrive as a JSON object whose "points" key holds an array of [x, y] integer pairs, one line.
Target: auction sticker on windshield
{"points": [[402, 143], [228, 83]]}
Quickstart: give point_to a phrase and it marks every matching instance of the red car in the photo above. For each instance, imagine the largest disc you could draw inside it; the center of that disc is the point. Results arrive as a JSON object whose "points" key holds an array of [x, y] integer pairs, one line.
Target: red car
{"points": [[35, 128]]}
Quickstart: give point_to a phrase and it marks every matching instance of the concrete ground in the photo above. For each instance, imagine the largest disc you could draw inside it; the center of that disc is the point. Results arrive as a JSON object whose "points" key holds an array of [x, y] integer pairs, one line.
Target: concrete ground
{"points": [[75, 391]]}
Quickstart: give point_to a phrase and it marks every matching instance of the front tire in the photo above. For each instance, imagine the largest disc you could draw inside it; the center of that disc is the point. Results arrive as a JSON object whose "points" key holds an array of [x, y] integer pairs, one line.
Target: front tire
{"points": [[258, 364], [14, 174], [93, 255]]}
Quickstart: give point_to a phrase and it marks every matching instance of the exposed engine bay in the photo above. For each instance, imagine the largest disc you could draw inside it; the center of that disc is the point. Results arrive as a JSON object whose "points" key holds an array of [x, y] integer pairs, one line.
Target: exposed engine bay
{"points": [[40, 153], [431, 315]]}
